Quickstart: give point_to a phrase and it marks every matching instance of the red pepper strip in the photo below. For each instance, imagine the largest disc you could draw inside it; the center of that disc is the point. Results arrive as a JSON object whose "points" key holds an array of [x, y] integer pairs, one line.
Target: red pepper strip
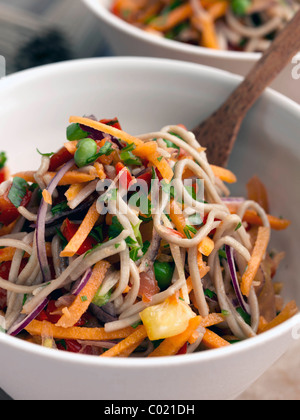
{"points": [[183, 349], [8, 212], [146, 177], [72, 346], [175, 232], [126, 178], [4, 274], [2, 175], [69, 229], [60, 158], [51, 314], [113, 123]]}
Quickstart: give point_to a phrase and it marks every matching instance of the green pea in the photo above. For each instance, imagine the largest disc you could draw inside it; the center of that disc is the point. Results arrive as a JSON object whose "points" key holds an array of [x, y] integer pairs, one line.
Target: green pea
{"points": [[240, 7], [163, 273], [86, 149]]}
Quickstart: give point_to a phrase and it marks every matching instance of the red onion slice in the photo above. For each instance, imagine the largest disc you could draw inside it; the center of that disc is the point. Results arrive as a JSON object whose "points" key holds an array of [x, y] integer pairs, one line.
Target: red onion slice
{"points": [[41, 221], [80, 284], [235, 282], [24, 320]]}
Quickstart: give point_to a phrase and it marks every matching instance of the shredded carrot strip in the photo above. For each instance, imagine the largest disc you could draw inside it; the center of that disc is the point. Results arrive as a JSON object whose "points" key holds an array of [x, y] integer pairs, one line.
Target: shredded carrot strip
{"points": [[100, 170], [177, 217], [211, 320], [73, 191], [171, 346], [6, 230], [253, 218], [47, 197], [288, 312], [257, 257], [35, 328], [128, 345], [218, 10], [142, 149], [213, 341], [7, 254], [189, 284], [176, 16], [71, 146], [82, 233], [71, 177], [84, 299], [120, 134], [224, 174], [194, 337], [206, 246], [276, 223], [203, 268], [149, 151], [209, 34], [262, 324]]}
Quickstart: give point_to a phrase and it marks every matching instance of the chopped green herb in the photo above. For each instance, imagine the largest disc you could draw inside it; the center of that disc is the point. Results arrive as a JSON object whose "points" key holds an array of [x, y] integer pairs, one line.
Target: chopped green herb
{"points": [[60, 208], [128, 157], [225, 313], [105, 150], [146, 246], [238, 226], [17, 191], [244, 315], [64, 241], [3, 159], [84, 298], [45, 154], [196, 220], [222, 254], [208, 293], [101, 300], [171, 145], [74, 132], [62, 343], [168, 189], [97, 233], [189, 229], [137, 324]]}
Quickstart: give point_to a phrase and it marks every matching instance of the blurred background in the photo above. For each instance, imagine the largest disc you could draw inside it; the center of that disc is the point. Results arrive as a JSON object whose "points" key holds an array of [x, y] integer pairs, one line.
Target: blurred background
{"points": [[37, 32]]}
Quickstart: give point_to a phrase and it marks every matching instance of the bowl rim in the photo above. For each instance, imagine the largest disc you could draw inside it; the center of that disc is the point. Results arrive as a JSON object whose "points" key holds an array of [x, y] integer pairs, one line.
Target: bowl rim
{"points": [[120, 25], [68, 67]]}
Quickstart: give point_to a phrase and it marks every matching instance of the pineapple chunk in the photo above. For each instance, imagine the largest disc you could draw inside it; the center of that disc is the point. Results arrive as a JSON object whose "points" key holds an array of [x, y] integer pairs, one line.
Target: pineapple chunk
{"points": [[167, 319]]}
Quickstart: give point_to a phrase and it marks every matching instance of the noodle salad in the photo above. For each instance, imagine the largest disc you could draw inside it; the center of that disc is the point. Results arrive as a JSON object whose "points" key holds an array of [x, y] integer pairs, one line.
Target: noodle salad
{"points": [[240, 25], [122, 245]]}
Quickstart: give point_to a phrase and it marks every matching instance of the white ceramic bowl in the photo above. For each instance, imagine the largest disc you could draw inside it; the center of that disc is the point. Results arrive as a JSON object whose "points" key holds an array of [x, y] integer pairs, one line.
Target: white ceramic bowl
{"points": [[125, 39], [146, 94]]}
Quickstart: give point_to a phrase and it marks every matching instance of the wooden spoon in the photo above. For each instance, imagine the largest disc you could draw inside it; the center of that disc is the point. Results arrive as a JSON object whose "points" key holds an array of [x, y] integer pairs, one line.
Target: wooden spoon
{"points": [[219, 132]]}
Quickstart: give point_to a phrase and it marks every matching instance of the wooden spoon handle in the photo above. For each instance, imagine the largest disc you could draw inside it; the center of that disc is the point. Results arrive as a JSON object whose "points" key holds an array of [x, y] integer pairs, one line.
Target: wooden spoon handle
{"points": [[283, 49]]}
